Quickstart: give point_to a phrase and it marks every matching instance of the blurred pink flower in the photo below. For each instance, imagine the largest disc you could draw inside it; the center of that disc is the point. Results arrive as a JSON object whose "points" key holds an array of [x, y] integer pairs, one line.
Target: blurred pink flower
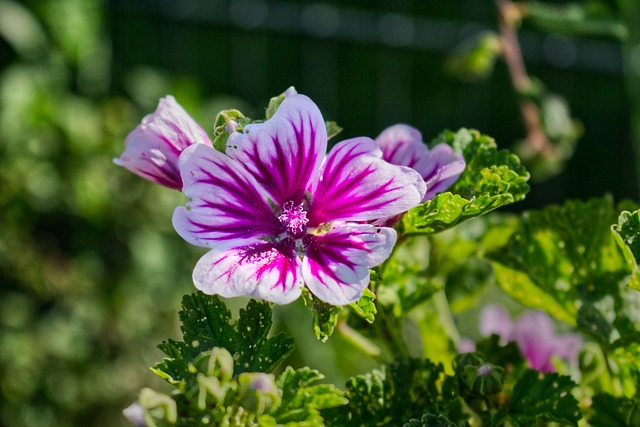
{"points": [[534, 333]]}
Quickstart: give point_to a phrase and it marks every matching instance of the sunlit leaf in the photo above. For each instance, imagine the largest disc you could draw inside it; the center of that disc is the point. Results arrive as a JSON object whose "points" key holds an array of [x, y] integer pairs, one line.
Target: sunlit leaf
{"points": [[325, 316], [560, 256], [302, 398], [574, 19], [544, 398], [405, 389], [627, 236], [207, 323], [492, 178]]}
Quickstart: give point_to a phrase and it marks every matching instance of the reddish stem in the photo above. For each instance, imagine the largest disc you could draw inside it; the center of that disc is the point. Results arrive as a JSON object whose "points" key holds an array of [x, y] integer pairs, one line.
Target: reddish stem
{"points": [[508, 16]]}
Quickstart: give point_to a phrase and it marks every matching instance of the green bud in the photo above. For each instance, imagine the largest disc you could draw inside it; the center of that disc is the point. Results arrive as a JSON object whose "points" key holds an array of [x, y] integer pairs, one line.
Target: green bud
{"points": [[212, 392], [216, 362], [160, 409], [485, 380], [468, 359], [227, 122], [258, 392]]}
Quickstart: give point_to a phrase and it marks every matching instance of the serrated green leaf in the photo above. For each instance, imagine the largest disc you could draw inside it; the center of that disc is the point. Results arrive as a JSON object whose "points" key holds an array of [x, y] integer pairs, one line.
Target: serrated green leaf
{"points": [[333, 129], [325, 316], [430, 420], [402, 390], [497, 354], [611, 411], [593, 322], [365, 306], [626, 352], [627, 235], [562, 257], [207, 323], [492, 178], [405, 282], [274, 104], [302, 399], [544, 398]]}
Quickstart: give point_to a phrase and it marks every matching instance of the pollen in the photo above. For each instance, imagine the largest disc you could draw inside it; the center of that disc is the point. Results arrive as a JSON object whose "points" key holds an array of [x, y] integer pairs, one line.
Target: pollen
{"points": [[294, 218]]}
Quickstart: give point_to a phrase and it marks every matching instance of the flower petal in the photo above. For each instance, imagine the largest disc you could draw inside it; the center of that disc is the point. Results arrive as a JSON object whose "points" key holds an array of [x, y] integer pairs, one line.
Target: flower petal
{"points": [[153, 148], [440, 169], [226, 205], [263, 270], [336, 265], [535, 335], [285, 152], [495, 320], [357, 185], [402, 145]]}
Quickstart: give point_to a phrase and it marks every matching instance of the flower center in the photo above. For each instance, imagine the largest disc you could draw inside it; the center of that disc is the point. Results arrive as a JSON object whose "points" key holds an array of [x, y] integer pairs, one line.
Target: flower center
{"points": [[294, 218]]}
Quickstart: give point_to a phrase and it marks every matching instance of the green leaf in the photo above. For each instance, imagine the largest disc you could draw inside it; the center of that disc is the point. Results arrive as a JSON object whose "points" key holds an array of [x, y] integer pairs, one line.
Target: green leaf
{"points": [[474, 58], [626, 352], [325, 316], [333, 129], [405, 389], [207, 323], [492, 178], [430, 420], [611, 411], [302, 400], [544, 398], [274, 104], [561, 257], [365, 306], [405, 281], [593, 322], [574, 19], [227, 122], [627, 235]]}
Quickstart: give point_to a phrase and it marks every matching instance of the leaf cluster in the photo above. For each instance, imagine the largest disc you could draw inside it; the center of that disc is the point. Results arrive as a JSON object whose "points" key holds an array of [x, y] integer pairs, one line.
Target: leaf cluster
{"points": [[492, 178], [565, 260], [416, 393], [221, 372]]}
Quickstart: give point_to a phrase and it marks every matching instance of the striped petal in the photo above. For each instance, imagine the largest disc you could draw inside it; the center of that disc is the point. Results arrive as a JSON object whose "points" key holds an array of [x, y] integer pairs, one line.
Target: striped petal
{"points": [[336, 265], [262, 270], [440, 169], [284, 153], [357, 185], [226, 205], [153, 148], [402, 145]]}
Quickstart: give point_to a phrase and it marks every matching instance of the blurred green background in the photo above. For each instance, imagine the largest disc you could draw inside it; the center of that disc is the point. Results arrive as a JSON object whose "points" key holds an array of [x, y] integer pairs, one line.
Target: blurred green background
{"points": [[91, 271]]}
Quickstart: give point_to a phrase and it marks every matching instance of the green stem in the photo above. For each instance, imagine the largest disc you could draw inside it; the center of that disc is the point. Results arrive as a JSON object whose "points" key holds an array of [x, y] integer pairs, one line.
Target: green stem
{"points": [[390, 330], [446, 317], [357, 340]]}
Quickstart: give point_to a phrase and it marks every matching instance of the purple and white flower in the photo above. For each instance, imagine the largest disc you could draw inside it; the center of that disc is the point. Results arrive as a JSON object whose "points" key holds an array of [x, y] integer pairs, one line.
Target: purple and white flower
{"points": [[153, 148], [440, 167], [279, 214], [535, 335]]}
